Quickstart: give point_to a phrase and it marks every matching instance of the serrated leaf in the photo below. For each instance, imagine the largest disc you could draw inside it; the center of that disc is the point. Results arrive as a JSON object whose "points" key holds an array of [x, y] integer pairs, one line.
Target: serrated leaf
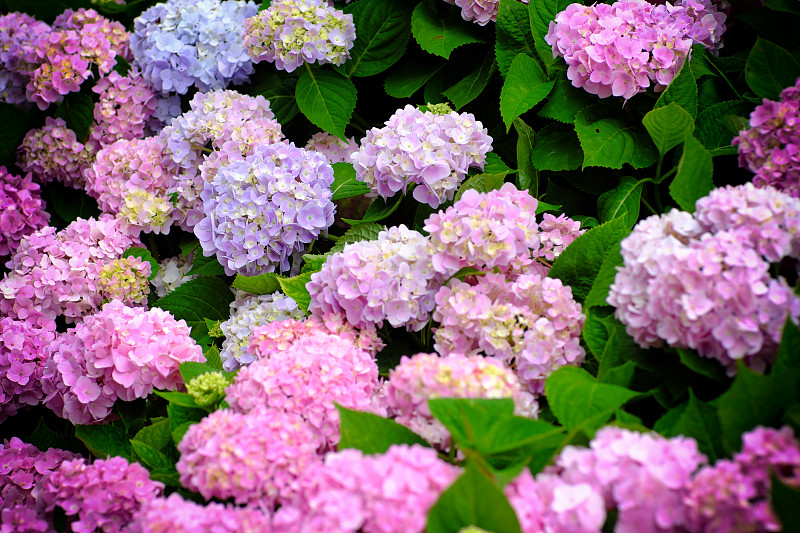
{"points": [[440, 36], [557, 148], [526, 85], [699, 63], [383, 29], [495, 165], [104, 441], [180, 415], [212, 357], [706, 366], [196, 300], [345, 184], [280, 91], [472, 84], [182, 399], [404, 81], [694, 177], [205, 266], [145, 255], [565, 101], [156, 435], [682, 91], [327, 99], [711, 127], [697, 420], [191, 369], [513, 33], [610, 142], [481, 183], [668, 126], [770, 69], [527, 175], [372, 434], [362, 232], [544, 207], [615, 369], [313, 263], [260, 284], [44, 438], [77, 110], [378, 210], [295, 288], [622, 201], [605, 277], [151, 457]]}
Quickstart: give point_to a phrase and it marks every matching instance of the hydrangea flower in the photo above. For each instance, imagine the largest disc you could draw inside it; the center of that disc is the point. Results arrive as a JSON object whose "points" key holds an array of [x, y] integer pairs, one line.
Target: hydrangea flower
{"points": [[124, 108], [104, 495], [56, 272], [532, 322], [21, 209], [181, 43], [248, 312], [388, 279], [171, 275], [430, 150], [119, 353], [18, 58], [125, 279], [424, 376], [23, 355], [386, 493], [479, 11], [253, 458], [53, 152], [176, 515], [332, 147], [642, 475], [22, 467], [292, 32], [306, 379], [208, 388], [264, 208]]}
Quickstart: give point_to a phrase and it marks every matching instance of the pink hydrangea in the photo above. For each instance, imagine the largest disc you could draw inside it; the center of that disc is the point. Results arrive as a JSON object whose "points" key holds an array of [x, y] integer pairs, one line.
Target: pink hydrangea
{"points": [[22, 210], [125, 105], [532, 322], [424, 376], [53, 152], [176, 515], [430, 151], [387, 493], [23, 355], [56, 272], [18, 58], [642, 475], [253, 458], [332, 147], [307, 378], [104, 495], [119, 353], [479, 11], [22, 467], [388, 279]]}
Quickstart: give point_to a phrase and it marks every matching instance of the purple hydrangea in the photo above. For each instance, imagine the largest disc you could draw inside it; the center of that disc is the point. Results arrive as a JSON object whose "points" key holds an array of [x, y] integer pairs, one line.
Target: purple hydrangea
{"points": [[261, 210], [21, 209], [53, 152], [181, 43], [18, 57], [176, 515]]}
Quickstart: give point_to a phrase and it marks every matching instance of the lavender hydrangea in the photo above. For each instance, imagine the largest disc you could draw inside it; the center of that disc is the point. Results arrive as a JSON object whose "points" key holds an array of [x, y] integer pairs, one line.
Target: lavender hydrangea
{"points": [[292, 32], [18, 57], [432, 151], [21, 209], [53, 152], [183, 43], [264, 208]]}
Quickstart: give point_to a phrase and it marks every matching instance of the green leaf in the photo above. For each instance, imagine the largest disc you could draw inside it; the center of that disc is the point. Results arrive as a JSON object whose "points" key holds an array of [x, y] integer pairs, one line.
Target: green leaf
{"points": [[362, 232], [280, 91], [473, 500], [526, 85], [182, 399], [481, 183], [345, 183], [788, 6], [327, 99], [542, 13], [614, 368], [440, 36], [575, 396], [544, 207], [212, 357], [472, 84], [694, 177], [77, 110], [379, 209], [557, 148], [295, 288], [313, 263], [145, 255], [668, 126], [196, 300], [787, 361], [608, 141], [565, 101], [157, 435], [383, 29], [527, 176], [44, 438], [260, 284], [180, 415], [579, 264], [191, 369], [70, 204], [682, 91], [711, 127], [105, 441], [180, 430], [770, 69], [705, 366], [513, 33], [623, 201], [697, 420], [495, 165], [699, 63], [372, 434], [785, 502], [16, 123], [205, 266], [151, 457], [605, 277], [404, 81]]}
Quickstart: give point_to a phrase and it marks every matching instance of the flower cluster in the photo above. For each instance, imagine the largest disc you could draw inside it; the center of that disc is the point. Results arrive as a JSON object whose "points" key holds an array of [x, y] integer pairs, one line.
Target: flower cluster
{"points": [[479, 11], [104, 495], [119, 353], [432, 150], [704, 282], [733, 495], [390, 278], [292, 32], [387, 493], [56, 272], [171, 275], [306, 379], [180, 43], [644, 476], [125, 105], [619, 49], [125, 279], [207, 389], [332, 147], [238, 141], [22, 466], [771, 147], [176, 515], [247, 313], [424, 376], [23, 354], [262, 209], [53, 152], [532, 321], [18, 58], [21, 210], [254, 458]]}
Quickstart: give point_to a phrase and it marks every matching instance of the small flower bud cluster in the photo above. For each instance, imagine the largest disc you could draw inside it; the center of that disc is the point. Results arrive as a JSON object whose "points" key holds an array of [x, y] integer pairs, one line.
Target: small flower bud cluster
{"points": [[292, 32], [771, 147], [208, 388], [424, 376], [532, 322], [18, 58], [53, 152], [23, 354], [264, 208], [178, 44], [433, 151], [388, 279], [125, 279], [171, 275], [21, 210], [119, 353], [176, 515]]}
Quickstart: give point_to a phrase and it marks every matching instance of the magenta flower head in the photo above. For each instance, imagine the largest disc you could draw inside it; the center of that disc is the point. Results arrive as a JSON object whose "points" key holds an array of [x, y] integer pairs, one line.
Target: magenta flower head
{"points": [[53, 152], [21, 210], [176, 515], [18, 57], [22, 467]]}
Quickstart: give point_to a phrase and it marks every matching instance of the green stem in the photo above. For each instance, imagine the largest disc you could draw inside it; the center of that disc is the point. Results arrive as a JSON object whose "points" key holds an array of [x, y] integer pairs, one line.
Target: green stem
{"points": [[724, 77], [648, 206], [153, 248], [668, 174]]}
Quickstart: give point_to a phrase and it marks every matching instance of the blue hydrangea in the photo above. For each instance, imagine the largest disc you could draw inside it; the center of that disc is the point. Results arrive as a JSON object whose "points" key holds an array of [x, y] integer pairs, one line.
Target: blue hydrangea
{"points": [[181, 43], [263, 208]]}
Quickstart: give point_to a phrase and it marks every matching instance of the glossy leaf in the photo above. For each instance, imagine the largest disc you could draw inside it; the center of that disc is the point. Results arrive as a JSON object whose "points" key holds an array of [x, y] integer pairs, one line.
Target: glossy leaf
{"points": [[327, 99]]}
